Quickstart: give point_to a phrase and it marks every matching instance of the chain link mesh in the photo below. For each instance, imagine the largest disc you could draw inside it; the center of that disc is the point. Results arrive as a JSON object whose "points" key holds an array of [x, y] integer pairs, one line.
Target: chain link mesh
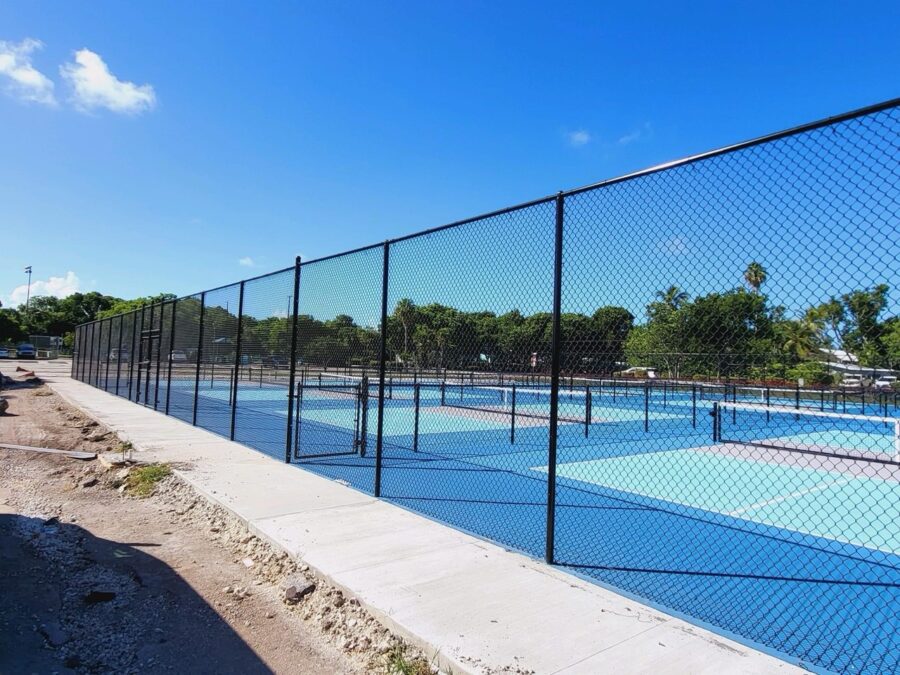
{"points": [[185, 350], [716, 344], [264, 375], [338, 329]]}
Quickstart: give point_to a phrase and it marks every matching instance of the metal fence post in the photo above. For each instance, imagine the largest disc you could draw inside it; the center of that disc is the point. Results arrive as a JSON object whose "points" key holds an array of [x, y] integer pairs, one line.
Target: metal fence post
{"points": [[140, 355], [106, 372], [131, 355], [237, 361], [86, 376], [162, 308], [555, 348], [199, 358], [382, 358], [149, 356], [293, 364], [119, 353], [99, 360], [171, 349], [74, 367]]}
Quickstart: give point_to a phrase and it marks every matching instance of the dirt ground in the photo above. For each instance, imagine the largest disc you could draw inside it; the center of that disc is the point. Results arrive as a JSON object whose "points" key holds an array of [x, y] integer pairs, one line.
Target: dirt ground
{"points": [[94, 578]]}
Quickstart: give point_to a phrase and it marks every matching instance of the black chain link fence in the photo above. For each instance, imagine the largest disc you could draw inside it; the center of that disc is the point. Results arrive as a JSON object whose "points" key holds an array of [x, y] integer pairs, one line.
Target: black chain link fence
{"points": [[680, 383]]}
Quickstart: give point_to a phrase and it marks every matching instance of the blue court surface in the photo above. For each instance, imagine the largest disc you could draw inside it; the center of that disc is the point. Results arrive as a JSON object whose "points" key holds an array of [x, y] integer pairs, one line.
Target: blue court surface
{"points": [[788, 537]]}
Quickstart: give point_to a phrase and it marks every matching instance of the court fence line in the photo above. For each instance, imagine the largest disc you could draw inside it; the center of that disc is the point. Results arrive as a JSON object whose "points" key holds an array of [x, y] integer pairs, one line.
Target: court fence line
{"points": [[498, 331]]}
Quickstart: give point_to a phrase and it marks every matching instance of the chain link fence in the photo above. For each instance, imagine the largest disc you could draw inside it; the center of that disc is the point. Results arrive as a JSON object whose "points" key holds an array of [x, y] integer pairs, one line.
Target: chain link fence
{"points": [[680, 383]]}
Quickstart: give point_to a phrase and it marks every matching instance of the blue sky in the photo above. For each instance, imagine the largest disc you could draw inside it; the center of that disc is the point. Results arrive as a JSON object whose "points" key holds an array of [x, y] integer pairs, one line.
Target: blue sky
{"points": [[167, 142]]}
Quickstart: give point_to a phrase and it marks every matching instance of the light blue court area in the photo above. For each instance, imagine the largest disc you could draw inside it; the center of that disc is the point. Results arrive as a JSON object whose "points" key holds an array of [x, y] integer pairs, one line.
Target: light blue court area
{"points": [[789, 497], [401, 421], [844, 440], [600, 413]]}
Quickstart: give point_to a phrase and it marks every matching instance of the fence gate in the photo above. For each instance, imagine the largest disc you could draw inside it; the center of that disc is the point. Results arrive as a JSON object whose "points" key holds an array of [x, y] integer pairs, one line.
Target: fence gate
{"points": [[330, 418], [148, 360]]}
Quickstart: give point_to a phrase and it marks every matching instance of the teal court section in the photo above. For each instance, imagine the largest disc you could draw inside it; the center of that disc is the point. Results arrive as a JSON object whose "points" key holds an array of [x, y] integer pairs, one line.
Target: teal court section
{"points": [[790, 497]]}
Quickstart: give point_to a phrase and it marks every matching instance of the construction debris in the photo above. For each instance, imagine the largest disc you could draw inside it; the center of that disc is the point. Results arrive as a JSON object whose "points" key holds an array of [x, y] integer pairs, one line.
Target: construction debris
{"points": [[74, 454]]}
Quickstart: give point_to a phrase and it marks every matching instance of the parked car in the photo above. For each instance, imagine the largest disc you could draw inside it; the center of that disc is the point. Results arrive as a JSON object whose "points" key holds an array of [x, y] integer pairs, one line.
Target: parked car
{"points": [[122, 355], [886, 382], [852, 382], [178, 356], [25, 351], [4, 353], [274, 362]]}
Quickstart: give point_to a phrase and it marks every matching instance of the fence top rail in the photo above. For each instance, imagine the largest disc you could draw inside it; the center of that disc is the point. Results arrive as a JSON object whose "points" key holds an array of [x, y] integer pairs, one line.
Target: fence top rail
{"points": [[767, 138], [786, 133]]}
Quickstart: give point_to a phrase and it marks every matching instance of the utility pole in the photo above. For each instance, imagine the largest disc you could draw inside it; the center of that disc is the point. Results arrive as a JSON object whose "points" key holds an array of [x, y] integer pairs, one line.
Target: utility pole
{"points": [[28, 292]]}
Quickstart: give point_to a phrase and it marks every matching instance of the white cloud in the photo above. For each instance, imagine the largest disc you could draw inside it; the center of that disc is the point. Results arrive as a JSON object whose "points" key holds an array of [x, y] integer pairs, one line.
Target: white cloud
{"points": [[93, 86], [674, 246], [638, 134], [247, 261], [24, 81], [578, 138], [56, 286]]}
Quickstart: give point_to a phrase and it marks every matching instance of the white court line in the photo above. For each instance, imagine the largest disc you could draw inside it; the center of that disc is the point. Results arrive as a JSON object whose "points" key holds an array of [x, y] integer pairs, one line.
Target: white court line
{"points": [[799, 493]]}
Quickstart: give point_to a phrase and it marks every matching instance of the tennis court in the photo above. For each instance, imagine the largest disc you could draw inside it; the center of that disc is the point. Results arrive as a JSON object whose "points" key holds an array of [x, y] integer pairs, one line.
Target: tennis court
{"points": [[702, 448]]}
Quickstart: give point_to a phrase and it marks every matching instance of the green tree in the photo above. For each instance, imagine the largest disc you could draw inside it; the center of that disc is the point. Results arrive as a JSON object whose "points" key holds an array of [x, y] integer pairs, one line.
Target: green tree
{"points": [[120, 306], [405, 313], [11, 330], [890, 341]]}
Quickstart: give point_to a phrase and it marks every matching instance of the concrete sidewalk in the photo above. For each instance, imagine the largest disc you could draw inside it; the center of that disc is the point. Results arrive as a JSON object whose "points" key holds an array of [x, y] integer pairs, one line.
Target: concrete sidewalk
{"points": [[476, 606]]}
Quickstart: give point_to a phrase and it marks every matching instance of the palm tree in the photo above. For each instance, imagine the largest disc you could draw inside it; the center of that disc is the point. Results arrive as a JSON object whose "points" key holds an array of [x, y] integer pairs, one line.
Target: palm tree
{"points": [[755, 276], [405, 311], [800, 338], [673, 296]]}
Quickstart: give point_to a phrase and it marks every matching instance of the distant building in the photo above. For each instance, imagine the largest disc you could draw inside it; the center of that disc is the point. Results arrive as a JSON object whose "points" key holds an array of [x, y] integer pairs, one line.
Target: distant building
{"points": [[844, 363]]}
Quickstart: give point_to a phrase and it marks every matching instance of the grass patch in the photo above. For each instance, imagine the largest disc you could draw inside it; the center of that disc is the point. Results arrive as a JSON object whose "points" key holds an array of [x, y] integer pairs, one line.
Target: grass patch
{"points": [[400, 664], [142, 480]]}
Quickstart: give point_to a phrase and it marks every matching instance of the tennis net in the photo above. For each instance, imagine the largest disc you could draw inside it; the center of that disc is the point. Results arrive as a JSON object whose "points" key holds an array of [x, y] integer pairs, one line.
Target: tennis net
{"points": [[848, 435]]}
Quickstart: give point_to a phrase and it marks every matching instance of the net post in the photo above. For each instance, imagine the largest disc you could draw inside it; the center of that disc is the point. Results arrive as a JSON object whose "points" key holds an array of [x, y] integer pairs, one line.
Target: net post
{"points": [[768, 403], [382, 359], [171, 349], [416, 418], [715, 421], [237, 361], [647, 405], [555, 345], [694, 405], [292, 368], [298, 418], [443, 392], [512, 416], [897, 440], [587, 410]]}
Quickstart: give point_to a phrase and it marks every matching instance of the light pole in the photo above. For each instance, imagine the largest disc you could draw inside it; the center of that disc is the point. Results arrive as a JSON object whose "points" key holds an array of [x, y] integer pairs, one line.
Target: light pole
{"points": [[28, 292]]}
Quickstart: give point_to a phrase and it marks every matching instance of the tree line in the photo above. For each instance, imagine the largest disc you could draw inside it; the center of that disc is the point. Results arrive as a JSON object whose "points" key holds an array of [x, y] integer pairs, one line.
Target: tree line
{"points": [[732, 333]]}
